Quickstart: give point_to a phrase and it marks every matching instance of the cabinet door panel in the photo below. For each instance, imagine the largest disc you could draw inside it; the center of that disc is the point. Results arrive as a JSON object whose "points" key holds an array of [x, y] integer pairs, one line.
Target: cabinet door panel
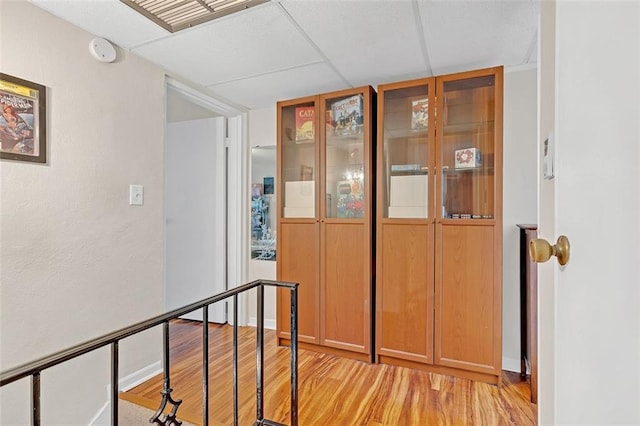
{"points": [[405, 292], [297, 256], [346, 291], [466, 299]]}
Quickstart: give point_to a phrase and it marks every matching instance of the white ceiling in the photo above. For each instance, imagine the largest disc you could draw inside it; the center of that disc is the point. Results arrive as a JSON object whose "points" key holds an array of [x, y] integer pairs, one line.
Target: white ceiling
{"points": [[291, 48]]}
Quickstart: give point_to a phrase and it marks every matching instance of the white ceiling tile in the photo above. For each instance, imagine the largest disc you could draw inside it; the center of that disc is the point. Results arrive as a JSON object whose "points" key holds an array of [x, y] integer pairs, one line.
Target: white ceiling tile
{"points": [[290, 48], [110, 19], [475, 34], [252, 42], [264, 90], [365, 40]]}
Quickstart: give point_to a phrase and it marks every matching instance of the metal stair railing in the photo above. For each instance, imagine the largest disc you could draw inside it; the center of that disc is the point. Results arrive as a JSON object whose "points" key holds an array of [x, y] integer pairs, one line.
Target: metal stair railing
{"points": [[34, 368]]}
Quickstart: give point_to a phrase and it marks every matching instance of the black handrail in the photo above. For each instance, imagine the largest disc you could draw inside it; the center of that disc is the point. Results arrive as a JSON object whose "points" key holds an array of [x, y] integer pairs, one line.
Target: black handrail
{"points": [[34, 368]]}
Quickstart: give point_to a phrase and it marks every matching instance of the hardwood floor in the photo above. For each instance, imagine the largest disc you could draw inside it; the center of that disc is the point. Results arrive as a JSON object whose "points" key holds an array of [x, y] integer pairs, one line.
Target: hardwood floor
{"points": [[332, 390]]}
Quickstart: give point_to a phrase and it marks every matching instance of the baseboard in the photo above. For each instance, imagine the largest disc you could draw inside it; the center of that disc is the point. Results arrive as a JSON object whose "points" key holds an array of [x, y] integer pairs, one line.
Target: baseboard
{"points": [[511, 364], [140, 376], [103, 418], [269, 324]]}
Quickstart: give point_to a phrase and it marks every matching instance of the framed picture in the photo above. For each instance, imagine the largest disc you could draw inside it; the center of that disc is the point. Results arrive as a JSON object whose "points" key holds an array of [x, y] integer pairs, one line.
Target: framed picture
{"points": [[23, 127], [268, 185]]}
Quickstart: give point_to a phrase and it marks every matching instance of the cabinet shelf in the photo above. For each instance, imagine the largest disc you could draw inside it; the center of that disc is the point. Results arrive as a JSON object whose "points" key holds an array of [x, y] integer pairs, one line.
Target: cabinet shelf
{"points": [[469, 127], [453, 170], [456, 217], [405, 133]]}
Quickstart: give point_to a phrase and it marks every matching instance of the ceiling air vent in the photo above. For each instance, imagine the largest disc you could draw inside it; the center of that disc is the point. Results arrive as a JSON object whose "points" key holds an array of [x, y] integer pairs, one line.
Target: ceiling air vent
{"points": [[176, 15]]}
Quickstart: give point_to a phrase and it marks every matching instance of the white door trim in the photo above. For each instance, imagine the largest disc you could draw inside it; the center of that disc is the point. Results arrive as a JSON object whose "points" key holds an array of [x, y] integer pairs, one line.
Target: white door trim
{"points": [[238, 218]]}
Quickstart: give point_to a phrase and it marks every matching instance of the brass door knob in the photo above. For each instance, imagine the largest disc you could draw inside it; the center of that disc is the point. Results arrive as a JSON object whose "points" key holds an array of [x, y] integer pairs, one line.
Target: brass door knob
{"points": [[540, 250]]}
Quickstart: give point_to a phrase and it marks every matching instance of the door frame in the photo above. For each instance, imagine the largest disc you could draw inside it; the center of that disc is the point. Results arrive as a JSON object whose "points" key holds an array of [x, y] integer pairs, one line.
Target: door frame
{"points": [[235, 162]]}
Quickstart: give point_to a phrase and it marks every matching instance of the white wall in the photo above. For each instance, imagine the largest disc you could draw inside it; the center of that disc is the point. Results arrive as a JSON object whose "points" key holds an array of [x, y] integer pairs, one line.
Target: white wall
{"points": [[195, 215], [519, 198], [77, 260], [262, 127], [262, 132]]}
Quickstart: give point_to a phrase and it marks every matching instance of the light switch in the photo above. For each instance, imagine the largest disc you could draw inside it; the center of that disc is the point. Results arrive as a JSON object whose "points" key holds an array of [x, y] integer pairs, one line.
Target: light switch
{"points": [[136, 195]]}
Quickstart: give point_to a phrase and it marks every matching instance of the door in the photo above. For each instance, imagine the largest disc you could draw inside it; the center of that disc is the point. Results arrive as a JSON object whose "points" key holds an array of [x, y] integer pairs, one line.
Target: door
{"points": [[297, 233], [405, 221], [195, 214], [345, 219], [589, 324]]}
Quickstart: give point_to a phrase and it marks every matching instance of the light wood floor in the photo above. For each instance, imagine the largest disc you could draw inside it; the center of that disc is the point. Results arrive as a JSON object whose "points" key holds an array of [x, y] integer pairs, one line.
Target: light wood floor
{"points": [[332, 390]]}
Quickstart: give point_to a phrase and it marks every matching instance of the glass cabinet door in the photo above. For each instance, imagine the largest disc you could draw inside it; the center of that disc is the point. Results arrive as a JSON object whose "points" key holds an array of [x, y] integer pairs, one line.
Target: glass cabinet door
{"points": [[406, 152], [344, 157], [468, 148], [298, 141]]}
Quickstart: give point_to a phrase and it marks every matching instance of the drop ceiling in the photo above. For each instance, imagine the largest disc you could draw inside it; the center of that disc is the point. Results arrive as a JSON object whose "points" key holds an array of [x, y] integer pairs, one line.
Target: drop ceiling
{"points": [[285, 49]]}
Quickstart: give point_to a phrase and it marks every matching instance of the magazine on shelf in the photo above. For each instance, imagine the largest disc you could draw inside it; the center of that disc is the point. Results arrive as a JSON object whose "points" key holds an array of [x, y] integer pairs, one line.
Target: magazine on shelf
{"points": [[419, 114], [304, 124], [350, 199], [347, 116]]}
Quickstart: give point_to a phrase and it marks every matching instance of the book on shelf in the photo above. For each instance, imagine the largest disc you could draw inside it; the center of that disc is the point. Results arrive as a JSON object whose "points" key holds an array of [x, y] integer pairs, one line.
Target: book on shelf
{"points": [[419, 114], [304, 124], [350, 199], [347, 116]]}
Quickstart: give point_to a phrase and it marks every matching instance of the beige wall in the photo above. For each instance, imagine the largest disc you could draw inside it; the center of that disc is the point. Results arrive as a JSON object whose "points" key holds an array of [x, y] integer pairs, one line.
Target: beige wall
{"points": [[77, 261], [519, 198]]}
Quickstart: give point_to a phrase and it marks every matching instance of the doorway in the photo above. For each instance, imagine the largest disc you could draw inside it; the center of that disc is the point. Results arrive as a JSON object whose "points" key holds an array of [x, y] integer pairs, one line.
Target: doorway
{"points": [[200, 261]]}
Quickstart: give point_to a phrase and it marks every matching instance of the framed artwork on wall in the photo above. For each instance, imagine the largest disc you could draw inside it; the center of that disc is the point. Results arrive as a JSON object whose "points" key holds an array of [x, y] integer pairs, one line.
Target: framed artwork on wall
{"points": [[23, 127]]}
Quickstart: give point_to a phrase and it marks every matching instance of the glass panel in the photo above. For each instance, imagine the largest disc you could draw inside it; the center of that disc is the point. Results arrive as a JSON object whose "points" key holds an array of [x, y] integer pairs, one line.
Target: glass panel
{"points": [[263, 195], [298, 161], [344, 182], [468, 146], [406, 156]]}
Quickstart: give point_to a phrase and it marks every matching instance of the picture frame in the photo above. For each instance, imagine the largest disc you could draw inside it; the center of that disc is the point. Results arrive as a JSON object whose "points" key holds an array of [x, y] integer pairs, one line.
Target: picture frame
{"points": [[23, 120], [268, 185]]}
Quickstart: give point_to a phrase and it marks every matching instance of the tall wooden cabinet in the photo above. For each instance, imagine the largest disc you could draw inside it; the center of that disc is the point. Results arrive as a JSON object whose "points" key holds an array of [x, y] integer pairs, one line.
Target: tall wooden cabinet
{"points": [[325, 222], [439, 224]]}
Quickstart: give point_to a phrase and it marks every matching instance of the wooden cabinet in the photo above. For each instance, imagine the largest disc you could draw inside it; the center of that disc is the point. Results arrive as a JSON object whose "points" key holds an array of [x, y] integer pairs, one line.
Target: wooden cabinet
{"points": [[439, 224], [325, 224]]}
